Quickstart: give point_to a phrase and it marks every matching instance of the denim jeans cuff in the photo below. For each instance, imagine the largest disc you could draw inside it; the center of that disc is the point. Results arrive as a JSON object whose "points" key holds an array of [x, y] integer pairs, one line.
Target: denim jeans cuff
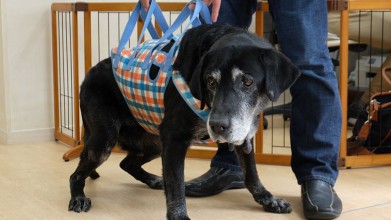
{"points": [[328, 180], [226, 166]]}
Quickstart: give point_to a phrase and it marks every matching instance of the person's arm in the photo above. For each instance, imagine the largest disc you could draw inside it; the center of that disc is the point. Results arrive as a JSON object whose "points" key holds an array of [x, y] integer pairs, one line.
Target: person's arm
{"points": [[215, 7]]}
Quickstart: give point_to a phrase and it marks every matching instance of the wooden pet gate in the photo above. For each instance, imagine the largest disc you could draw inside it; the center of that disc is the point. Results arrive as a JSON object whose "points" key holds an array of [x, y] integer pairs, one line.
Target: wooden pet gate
{"points": [[84, 33]]}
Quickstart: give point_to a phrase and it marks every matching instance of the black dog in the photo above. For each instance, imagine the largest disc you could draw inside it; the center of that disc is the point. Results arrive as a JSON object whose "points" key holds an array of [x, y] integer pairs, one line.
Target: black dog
{"points": [[232, 72]]}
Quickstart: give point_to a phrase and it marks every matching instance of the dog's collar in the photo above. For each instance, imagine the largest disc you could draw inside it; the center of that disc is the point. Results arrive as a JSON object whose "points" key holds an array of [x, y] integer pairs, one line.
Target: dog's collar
{"points": [[191, 101]]}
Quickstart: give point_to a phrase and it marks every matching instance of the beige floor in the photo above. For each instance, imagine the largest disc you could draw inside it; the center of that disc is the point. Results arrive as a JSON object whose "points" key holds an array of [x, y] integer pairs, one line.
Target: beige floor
{"points": [[34, 185]]}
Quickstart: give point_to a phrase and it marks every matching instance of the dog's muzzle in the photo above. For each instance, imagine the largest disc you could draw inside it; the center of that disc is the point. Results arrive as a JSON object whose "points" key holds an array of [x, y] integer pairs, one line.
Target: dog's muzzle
{"points": [[221, 130]]}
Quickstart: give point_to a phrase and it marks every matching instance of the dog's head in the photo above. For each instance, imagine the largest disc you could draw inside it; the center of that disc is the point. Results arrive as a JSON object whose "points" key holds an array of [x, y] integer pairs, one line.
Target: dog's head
{"points": [[235, 78]]}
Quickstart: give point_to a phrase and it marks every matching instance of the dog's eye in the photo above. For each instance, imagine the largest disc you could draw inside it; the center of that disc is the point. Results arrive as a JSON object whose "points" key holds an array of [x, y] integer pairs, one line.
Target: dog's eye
{"points": [[247, 80], [211, 81]]}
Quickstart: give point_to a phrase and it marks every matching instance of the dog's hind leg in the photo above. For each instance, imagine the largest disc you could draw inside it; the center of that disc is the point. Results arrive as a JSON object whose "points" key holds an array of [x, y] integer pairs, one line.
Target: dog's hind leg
{"points": [[93, 175], [254, 185], [142, 147], [132, 164], [96, 150]]}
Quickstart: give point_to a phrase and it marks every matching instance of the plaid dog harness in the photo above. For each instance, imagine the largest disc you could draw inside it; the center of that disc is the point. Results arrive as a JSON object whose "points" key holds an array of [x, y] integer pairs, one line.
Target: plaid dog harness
{"points": [[144, 94], [142, 89]]}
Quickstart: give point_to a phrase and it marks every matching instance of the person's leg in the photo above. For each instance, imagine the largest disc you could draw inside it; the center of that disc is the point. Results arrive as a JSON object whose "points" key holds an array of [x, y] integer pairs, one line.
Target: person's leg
{"points": [[225, 172], [237, 13], [301, 27]]}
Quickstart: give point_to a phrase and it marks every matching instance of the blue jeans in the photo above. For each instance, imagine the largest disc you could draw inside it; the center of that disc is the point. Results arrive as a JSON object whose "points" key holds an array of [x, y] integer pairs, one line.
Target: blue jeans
{"points": [[301, 27]]}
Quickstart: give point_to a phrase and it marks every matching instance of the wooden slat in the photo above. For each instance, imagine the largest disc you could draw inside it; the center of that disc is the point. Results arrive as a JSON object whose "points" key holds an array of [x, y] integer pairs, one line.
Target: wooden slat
{"points": [[273, 159], [66, 139], [369, 5], [126, 7], [72, 153], [368, 160], [76, 111], [112, 6], [259, 23], [262, 6], [343, 82], [55, 73], [203, 154], [87, 42], [62, 7], [258, 143], [170, 6]]}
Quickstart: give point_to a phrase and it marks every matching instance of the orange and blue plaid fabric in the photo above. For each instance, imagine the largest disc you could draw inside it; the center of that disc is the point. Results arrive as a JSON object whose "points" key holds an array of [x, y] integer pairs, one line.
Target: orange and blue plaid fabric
{"points": [[144, 95]]}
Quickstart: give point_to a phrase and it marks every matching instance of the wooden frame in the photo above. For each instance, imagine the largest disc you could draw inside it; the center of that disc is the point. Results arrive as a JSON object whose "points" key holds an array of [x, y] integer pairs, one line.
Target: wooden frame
{"points": [[72, 140]]}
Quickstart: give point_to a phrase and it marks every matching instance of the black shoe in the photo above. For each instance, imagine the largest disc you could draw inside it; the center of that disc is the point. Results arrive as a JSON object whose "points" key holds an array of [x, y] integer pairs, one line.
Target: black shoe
{"points": [[320, 201], [214, 181]]}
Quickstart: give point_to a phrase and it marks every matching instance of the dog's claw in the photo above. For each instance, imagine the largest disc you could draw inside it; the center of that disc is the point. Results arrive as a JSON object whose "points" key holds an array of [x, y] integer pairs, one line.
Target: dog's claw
{"points": [[277, 205], [79, 204]]}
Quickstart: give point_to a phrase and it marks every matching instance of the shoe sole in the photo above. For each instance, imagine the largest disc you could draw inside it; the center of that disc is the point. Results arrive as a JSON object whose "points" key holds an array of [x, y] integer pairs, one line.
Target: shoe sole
{"points": [[233, 185], [322, 215]]}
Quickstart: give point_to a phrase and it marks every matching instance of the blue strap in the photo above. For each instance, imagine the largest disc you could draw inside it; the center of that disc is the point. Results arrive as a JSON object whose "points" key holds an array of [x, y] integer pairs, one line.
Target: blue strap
{"points": [[185, 13], [147, 21], [186, 95], [132, 23], [159, 19], [126, 33], [177, 23], [200, 10], [151, 28]]}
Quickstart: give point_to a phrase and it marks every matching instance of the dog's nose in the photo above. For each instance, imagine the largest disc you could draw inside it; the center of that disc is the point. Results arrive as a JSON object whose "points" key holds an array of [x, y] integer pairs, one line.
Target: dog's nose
{"points": [[219, 126]]}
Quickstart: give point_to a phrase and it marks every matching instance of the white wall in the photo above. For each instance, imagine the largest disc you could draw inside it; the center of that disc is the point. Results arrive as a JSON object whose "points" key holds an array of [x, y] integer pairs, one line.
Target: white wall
{"points": [[2, 84], [26, 70], [26, 101]]}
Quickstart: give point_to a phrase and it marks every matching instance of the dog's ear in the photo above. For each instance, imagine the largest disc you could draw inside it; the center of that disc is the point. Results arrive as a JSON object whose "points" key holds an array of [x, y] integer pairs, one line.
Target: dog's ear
{"points": [[195, 43], [280, 72], [197, 83]]}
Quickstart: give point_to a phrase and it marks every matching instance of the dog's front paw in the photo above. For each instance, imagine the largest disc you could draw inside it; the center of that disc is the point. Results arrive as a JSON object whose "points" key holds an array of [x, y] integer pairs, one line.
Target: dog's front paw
{"points": [[277, 205], [80, 203]]}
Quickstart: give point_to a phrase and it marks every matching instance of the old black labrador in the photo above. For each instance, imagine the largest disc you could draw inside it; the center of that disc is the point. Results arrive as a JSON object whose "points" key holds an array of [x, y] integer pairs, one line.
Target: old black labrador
{"points": [[233, 73]]}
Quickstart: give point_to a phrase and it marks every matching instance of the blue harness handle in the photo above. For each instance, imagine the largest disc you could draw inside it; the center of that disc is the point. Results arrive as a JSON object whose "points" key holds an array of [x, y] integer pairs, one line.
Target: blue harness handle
{"points": [[147, 17], [160, 20], [200, 10]]}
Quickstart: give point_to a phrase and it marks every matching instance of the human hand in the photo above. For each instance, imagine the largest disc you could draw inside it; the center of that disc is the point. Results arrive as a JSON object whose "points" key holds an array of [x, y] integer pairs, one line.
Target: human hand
{"points": [[145, 3], [215, 7]]}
